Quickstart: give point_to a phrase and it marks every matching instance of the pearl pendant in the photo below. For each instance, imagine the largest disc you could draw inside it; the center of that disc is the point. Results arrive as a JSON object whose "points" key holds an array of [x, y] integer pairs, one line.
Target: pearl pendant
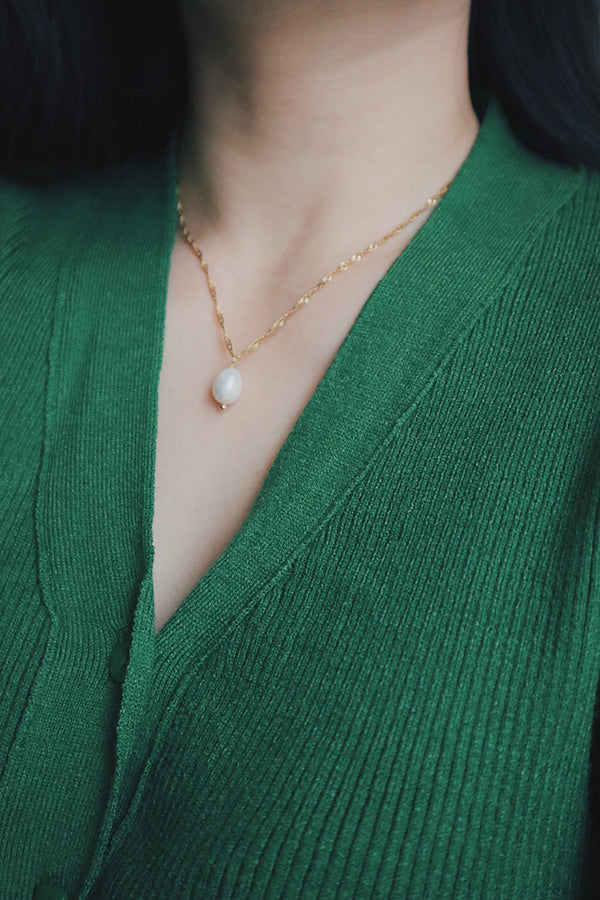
{"points": [[227, 387]]}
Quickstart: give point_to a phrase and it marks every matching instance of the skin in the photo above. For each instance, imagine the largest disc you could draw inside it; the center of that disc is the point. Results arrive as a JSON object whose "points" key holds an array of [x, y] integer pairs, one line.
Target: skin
{"points": [[313, 129], [336, 121]]}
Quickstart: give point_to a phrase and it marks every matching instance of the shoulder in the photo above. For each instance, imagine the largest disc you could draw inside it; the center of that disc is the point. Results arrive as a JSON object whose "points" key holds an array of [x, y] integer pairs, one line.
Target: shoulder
{"points": [[579, 215], [40, 224], [549, 207], [47, 229], [553, 209], [567, 248], [558, 276]]}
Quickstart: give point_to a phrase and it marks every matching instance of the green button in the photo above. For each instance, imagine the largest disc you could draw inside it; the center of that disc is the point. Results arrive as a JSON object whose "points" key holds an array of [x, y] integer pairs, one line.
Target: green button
{"points": [[119, 659], [49, 892]]}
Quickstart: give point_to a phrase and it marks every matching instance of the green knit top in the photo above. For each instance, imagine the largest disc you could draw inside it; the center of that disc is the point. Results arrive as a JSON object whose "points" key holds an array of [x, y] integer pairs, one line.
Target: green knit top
{"points": [[384, 687]]}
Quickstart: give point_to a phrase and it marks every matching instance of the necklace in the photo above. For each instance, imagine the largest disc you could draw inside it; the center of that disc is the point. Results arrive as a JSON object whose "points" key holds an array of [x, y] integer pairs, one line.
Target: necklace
{"points": [[227, 386]]}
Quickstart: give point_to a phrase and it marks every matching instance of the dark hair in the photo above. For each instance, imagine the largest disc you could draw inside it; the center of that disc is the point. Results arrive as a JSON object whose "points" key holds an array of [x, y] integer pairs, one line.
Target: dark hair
{"points": [[82, 84]]}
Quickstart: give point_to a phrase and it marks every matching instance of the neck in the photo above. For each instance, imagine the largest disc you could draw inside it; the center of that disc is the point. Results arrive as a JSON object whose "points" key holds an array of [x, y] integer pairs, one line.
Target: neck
{"points": [[334, 124]]}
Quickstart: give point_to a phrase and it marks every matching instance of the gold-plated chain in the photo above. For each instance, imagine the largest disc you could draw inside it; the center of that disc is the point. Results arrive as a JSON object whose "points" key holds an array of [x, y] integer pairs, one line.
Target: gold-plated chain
{"points": [[305, 298]]}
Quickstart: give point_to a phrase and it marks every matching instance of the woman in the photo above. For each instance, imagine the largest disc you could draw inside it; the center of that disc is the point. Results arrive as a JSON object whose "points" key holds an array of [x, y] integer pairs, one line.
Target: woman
{"points": [[337, 635]]}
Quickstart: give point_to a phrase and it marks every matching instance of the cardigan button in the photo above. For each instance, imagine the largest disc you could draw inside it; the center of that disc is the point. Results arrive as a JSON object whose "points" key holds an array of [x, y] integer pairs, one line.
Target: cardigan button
{"points": [[118, 661], [49, 892]]}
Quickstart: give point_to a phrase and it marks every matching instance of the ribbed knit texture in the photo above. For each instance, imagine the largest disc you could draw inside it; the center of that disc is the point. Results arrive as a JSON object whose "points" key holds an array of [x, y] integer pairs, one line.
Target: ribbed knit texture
{"points": [[384, 687]]}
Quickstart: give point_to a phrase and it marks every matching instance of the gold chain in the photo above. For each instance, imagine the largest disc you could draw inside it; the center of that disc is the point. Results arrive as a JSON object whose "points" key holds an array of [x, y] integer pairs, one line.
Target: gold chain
{"points": [[342, 267]]}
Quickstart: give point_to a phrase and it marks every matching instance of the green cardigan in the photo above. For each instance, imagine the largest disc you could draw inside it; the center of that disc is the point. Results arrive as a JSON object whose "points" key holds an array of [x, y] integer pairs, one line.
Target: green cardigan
{"points": [[384, 687]]}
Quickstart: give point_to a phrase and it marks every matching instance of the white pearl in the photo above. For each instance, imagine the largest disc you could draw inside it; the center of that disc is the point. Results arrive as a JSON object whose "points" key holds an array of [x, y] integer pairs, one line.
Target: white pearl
{"points": [[227, 387]]}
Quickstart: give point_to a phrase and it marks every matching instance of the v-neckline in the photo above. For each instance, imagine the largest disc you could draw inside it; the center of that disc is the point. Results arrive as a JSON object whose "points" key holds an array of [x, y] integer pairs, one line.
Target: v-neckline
{"points": [[409, 322], [297, 489], [95, 502]]}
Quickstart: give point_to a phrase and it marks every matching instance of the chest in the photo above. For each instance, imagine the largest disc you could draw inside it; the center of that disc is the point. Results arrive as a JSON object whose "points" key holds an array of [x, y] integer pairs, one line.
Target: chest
{"points": [[210, 463]]}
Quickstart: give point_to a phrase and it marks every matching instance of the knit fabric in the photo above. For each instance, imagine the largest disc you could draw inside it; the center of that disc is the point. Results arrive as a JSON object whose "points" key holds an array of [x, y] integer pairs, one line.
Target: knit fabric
{"points": [[384, 687]]}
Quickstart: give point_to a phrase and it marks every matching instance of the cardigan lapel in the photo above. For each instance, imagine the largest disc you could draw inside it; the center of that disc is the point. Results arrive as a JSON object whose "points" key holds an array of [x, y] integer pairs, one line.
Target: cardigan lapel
{"points": [[452, 269]]}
